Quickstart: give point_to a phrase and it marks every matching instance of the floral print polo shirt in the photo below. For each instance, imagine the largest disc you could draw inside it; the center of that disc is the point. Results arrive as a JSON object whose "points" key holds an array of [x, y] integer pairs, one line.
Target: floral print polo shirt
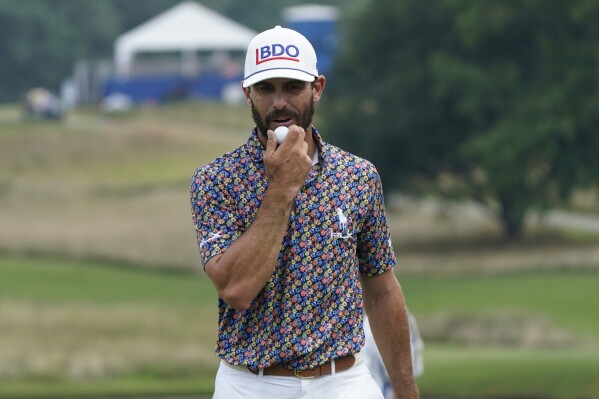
{"points": [[310, 310]]}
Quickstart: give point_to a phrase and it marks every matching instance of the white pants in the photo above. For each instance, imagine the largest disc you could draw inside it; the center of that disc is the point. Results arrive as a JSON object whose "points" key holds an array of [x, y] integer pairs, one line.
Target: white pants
{"points": [[355, 383]]}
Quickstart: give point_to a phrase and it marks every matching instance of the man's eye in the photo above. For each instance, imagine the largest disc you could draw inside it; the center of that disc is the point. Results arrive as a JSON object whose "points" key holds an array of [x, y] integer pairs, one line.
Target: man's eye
{"points": [[262, 87]]}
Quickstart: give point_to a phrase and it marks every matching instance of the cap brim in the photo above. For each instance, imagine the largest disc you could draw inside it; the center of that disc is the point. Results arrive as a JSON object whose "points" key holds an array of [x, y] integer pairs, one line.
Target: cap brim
{"points": [[278, 73]]}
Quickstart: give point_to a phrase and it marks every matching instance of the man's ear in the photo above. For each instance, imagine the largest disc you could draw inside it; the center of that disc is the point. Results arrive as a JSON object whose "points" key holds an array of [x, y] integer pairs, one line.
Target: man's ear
{"points": [[246, 93], [318, 88]]}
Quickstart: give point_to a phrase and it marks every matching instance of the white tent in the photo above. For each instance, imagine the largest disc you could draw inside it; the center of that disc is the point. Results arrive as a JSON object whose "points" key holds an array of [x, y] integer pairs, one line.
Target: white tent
{"points": [[186, 27], [312, 12]]}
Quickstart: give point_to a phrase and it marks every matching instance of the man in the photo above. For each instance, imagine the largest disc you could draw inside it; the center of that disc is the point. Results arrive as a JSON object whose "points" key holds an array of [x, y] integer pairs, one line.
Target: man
{"points": [[295, 240]]}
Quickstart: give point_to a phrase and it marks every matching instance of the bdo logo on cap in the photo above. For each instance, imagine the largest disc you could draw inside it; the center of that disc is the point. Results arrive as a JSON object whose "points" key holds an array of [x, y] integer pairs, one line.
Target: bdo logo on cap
{"points": [[292, 54], [277, 52]]}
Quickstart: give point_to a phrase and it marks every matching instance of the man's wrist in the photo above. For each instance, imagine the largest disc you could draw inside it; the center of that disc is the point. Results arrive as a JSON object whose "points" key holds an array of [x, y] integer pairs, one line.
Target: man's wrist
{"points": [[281, 195]]}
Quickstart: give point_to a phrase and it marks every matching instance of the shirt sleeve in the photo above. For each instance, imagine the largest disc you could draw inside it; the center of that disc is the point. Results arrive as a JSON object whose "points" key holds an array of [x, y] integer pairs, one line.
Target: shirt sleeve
{"points": [[215, 218], [375, 251]]}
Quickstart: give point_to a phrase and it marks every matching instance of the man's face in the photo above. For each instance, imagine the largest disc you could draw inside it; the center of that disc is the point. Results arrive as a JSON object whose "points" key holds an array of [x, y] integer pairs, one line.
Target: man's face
{"points": [[281, 102]]}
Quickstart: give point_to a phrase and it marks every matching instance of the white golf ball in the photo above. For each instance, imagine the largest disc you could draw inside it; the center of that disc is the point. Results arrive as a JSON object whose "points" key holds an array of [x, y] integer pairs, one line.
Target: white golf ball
{"points": [[281, 133]]}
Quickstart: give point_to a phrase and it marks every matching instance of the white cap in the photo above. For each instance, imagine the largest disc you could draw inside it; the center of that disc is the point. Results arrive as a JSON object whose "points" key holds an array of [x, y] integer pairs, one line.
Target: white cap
{"points": [[279, 53]]}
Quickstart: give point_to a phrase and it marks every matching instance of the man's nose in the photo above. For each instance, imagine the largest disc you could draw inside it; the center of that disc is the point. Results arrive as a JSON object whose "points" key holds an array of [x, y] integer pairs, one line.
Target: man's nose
{"points": [[280, 100]]}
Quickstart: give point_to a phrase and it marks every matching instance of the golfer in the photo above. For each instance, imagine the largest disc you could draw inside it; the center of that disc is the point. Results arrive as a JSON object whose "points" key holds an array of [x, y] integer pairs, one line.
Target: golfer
{"points": [[294, 237]]}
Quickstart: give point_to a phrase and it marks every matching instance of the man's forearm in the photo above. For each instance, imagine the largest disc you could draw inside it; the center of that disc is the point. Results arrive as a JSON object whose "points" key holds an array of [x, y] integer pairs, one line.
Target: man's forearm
{"points": [[389, 323], [244, 268]]}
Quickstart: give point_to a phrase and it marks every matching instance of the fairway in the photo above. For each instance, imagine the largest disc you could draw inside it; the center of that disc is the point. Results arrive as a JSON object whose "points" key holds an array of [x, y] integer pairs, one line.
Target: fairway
{"points": [[122, 312], [72, 327], [567, 299], [476, 372], [56, 281]]}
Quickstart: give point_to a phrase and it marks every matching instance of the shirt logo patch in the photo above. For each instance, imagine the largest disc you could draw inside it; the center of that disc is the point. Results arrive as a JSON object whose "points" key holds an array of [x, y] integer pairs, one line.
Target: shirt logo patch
{"points": [[213, 237], [343, 223]]}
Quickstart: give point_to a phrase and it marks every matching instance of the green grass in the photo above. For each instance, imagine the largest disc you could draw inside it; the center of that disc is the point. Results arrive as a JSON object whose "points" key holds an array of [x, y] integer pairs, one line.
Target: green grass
{"points": [[144, 332], [579, 236], [9, 115], [150, 146], [568, 298], [455, 371], [62, 280], [134, 385], [509, 373]]}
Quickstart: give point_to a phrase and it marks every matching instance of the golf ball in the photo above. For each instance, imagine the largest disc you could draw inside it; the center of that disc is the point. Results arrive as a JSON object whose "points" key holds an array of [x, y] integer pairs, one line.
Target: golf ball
{"points": [[281, 133]]}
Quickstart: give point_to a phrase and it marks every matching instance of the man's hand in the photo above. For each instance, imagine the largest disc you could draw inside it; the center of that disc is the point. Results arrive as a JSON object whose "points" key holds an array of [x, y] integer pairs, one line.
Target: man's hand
{"points": [[287, 166]]}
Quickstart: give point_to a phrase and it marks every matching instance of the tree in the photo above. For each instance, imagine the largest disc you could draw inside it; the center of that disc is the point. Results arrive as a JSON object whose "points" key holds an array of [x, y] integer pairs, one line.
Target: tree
{"points": [[41, 40], [501, 96]]}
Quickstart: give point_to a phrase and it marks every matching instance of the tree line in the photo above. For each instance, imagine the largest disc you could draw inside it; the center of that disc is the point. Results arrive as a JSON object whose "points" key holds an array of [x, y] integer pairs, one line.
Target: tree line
{"points": [[493, 100]]}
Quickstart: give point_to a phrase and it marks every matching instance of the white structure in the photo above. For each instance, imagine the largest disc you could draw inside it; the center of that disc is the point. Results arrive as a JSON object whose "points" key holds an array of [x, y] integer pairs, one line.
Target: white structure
{"points": [[186, 28], [312, 12]]}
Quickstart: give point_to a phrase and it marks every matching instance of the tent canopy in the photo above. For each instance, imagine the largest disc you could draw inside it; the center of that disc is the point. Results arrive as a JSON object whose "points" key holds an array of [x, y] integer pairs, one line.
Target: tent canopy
{"points": [[186, 27], [311, 12]]}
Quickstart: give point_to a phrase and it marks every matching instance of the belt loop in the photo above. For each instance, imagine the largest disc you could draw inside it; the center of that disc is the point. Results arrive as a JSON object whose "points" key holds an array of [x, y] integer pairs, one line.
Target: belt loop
{"points": [[333, 367], [261, 373]]}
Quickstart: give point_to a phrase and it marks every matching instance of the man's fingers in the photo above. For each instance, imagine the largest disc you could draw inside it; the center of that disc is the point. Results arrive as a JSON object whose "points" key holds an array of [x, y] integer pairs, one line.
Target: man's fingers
{"points": [[296, 134], [271, 144]]}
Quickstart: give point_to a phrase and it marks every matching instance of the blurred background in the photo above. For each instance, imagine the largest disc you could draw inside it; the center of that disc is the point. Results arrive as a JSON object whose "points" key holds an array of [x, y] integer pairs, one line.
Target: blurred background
{"points": [[481, 117]]}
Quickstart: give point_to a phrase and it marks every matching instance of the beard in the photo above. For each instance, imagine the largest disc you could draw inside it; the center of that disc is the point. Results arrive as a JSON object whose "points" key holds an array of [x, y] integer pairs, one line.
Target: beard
{"points": [[304, 118]]}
